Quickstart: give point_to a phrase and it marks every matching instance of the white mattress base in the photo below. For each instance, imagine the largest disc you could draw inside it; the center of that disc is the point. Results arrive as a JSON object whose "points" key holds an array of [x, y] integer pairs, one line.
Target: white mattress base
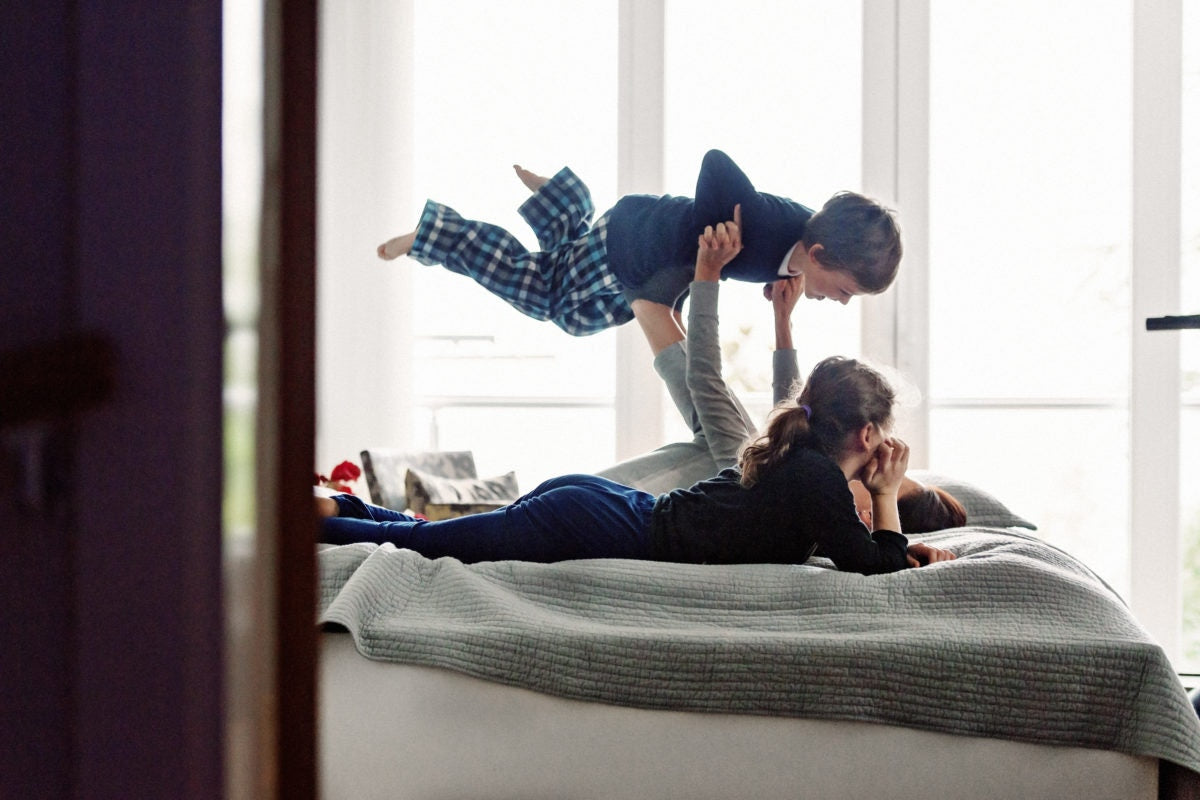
{"points": [[412, 733]]}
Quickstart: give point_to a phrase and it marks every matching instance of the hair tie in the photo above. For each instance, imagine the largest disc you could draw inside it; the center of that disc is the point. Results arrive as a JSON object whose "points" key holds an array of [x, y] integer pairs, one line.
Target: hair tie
{"points": [[807, 409]]}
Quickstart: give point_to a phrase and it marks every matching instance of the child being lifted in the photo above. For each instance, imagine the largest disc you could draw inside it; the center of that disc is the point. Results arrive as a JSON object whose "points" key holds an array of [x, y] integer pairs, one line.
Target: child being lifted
{"points": [[586, 276]]}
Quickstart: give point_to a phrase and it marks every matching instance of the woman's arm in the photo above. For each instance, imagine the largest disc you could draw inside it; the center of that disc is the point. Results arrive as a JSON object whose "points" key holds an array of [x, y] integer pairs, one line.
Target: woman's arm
{"points": [[666, 337], [725, 422], [785, 372], [783, 295]]}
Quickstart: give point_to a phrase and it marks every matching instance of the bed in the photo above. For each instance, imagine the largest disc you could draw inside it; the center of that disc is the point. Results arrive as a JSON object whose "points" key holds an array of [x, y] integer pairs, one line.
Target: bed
{"points": [[1011, 672]]}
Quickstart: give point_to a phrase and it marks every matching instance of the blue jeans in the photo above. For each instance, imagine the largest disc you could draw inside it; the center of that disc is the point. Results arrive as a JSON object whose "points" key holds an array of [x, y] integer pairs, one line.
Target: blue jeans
{"points": [[573, 516]]}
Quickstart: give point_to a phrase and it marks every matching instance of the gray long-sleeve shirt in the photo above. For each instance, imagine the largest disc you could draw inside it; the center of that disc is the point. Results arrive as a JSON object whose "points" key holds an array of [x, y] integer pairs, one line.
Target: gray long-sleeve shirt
{"points": [[719, 422]]}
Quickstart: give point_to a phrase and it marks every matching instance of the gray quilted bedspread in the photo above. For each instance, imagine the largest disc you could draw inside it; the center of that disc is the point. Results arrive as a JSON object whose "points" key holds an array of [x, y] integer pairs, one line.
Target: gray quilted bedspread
{"points": [[1014, 639]]}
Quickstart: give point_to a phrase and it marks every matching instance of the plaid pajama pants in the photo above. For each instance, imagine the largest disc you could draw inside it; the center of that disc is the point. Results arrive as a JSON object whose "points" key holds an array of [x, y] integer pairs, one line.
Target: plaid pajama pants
{"points": [[567, 282]]}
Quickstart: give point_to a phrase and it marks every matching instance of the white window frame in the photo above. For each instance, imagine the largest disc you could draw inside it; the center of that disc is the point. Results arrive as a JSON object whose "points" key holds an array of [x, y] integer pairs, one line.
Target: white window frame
{"points": [[895, 325], [640, 148], [1155, 526], [895, 152]]}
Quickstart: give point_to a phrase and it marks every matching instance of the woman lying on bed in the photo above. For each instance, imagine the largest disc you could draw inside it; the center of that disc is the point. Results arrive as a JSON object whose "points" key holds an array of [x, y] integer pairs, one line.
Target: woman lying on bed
{"points": [[689, 364], [788, 497]]}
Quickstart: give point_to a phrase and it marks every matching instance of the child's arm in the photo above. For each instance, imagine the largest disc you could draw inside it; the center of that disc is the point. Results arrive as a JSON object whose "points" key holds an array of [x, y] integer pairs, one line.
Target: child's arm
{"points": [[771, 224], [659, 324], [720, 185], [921, 554]]}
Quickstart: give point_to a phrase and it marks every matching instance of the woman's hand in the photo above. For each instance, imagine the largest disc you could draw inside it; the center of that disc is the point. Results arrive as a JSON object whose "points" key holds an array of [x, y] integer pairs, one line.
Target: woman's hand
{"points": [[884, 473], [784, 293], [718, 246], [920, 554]]}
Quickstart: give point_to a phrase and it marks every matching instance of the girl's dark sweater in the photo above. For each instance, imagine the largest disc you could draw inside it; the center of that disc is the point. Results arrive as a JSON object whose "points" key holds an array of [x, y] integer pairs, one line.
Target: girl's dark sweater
{"points": [[800, 505]]}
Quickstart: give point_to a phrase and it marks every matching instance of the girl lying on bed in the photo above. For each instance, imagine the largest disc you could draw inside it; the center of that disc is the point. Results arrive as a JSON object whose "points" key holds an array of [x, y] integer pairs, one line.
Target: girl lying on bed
{"points": [[788, 497]]}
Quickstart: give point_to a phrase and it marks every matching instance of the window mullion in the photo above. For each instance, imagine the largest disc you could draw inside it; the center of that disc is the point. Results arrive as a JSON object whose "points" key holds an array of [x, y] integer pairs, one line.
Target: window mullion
{"points": [[640, 93], [896, 170], [1155, 547], [880, 135]]}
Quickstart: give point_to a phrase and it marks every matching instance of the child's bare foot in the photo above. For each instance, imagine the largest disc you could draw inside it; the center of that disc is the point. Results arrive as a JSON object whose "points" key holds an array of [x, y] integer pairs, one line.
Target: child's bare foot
{"points": [[399, 246], [532, 182]]}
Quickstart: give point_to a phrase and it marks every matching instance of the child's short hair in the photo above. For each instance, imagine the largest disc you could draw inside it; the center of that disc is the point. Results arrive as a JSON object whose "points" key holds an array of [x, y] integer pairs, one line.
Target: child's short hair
{"points": [[859, 236]]}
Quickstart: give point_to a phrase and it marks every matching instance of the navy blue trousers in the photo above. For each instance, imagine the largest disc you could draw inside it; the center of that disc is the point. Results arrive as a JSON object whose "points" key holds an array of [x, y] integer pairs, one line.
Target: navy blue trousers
{"points": [[573, 516]]}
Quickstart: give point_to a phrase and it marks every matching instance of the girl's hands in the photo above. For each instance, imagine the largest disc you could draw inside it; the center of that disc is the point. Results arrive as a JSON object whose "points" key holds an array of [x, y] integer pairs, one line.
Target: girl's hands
{"points": [[718, 246], [884, 473], [920, 554]]}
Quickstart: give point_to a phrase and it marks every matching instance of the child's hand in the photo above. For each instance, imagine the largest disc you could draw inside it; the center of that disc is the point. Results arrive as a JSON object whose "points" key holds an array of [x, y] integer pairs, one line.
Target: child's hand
{"points": [[719, 246], [884, 473], [920, 554]]}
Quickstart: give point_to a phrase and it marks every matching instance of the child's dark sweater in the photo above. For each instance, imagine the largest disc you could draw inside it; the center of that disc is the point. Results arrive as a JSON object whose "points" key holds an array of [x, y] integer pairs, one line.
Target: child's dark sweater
{"points": [[650, 232]]}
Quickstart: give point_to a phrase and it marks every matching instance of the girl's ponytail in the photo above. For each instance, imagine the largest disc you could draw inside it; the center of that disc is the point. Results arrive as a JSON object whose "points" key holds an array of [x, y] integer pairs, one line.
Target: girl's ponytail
{"points": [[840, 396]]}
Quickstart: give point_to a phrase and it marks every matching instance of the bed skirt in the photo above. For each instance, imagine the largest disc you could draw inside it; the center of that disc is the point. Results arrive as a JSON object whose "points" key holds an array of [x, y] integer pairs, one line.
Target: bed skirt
{"points": [[406, 732]]}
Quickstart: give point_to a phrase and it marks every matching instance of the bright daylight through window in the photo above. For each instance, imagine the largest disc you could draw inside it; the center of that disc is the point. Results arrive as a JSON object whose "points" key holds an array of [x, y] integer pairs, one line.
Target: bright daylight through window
{"points": [[1030, 261]]}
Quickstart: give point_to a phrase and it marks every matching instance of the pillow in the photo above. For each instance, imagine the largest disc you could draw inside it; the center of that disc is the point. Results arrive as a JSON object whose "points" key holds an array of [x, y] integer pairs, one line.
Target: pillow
{"points": [[436, 497], [982, 508], [385, 471]]}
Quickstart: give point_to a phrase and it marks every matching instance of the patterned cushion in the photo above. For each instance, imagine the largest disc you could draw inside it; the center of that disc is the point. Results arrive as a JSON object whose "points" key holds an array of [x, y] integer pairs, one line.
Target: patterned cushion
{"points": [[385, 471], [440, 498], [982, 508]]}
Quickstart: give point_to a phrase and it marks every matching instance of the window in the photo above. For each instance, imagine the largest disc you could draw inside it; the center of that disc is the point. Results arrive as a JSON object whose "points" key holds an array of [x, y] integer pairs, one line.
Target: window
{"points": [[791, 117], [1030, 269], [520, 393], [1022, 222], [1189, 478]]}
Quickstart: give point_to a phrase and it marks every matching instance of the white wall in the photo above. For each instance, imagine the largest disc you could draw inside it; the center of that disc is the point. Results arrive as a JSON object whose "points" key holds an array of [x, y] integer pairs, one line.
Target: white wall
{"points": [[364, 174]]}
